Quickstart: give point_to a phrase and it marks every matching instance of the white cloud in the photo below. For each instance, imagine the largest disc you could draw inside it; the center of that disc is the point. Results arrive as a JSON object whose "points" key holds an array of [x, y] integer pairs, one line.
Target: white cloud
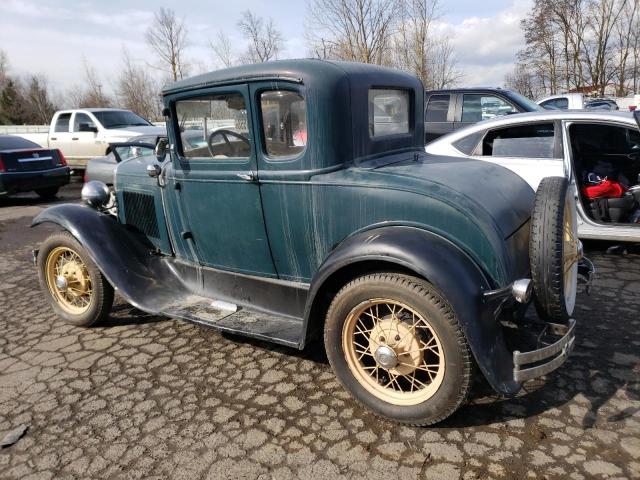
{"points": [[486, 47]]}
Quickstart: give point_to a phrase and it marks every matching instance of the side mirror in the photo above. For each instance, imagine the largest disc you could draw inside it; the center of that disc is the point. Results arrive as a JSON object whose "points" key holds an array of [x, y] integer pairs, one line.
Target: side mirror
{"points": [[154, 170], [161, 149], [86, 127]]}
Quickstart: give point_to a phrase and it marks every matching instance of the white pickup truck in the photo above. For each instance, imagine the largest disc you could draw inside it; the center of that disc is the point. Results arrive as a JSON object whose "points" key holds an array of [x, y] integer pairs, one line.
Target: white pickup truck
{"points": [[86, 133]]}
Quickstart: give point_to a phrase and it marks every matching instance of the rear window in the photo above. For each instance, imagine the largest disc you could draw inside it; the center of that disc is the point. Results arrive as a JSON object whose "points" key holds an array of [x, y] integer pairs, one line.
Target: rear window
{"points": [[62, 124], [284, 122], [10, 142], [469, 143], [525, 141], [437, 108], [388, 112]]}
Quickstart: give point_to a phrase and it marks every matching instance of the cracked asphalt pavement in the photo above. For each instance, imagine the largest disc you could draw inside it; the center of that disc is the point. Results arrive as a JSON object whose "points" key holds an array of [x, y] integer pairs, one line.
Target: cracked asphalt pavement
{"points": [[150, 397]]}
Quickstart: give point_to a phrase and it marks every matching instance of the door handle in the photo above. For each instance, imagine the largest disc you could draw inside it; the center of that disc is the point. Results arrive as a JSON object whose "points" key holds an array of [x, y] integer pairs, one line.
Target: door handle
{"points": [[75, 138], [247, 177], [54, 138]]}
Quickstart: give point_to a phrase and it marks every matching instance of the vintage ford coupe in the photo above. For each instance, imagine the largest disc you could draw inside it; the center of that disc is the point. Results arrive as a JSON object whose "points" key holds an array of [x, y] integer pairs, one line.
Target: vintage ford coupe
{"points": [[310, 207]]}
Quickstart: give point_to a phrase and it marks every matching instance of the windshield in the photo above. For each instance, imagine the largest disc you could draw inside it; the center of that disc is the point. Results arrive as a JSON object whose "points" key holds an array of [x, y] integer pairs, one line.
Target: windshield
{"points": [[120, 119], [524, 102]]}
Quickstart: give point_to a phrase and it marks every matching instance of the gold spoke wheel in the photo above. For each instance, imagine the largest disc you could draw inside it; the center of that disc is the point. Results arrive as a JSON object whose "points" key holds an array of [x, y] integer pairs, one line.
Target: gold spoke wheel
{"points": [[393, 352], [68, 280]]}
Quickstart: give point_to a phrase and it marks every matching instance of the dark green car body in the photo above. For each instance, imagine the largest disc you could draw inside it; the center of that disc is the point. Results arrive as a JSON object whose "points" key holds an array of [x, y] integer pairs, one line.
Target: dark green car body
{"points": [[280, 236]]}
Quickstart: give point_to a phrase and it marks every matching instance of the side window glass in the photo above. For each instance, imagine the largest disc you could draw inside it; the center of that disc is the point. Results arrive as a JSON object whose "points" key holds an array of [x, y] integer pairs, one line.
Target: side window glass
{"points": [[526, 141], [133, 151], [62, 124], [476, 108], [82, 123], [214, 127], [284, 122], [556, 104], [437, 108], [469, 143]]}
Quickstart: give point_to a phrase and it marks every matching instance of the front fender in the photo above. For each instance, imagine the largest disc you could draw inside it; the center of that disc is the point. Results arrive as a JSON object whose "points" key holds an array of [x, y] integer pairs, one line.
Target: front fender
{"points": [[450, 270], [144, 279]]}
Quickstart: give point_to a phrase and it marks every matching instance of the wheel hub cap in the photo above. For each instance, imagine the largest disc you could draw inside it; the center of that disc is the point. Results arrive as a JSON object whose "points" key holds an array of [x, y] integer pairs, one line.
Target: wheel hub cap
{"points": [[61, 283], [386, 357]]}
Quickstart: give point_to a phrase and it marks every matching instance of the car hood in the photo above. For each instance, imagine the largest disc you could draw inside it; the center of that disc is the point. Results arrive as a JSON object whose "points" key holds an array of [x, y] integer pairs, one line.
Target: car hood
{"points": [[466, 183], [127, 132]]}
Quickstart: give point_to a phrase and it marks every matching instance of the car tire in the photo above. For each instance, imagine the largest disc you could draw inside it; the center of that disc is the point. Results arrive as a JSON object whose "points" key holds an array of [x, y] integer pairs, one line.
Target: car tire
{"points": [[84, 297], [47, 193], [420, 396], [554, 250]]}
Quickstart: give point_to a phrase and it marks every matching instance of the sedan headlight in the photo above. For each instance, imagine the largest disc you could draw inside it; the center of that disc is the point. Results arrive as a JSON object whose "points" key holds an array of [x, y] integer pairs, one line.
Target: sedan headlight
{"points": [[95, 194]]}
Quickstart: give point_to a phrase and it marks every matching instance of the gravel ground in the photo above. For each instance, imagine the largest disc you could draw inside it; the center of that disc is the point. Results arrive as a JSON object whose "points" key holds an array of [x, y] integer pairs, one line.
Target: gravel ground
{"points": [[149, 397]]}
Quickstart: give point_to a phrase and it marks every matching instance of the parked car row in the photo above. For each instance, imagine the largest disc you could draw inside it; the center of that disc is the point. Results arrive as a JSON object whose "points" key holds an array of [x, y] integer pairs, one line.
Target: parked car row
{"points": [[86, 133]]}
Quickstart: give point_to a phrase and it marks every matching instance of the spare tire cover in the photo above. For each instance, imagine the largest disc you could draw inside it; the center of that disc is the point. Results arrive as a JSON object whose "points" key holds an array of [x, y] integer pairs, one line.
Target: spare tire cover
{"points": [[554, 249]]}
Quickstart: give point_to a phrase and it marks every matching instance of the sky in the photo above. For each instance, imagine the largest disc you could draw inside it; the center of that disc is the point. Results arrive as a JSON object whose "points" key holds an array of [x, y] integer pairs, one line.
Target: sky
{"points": [[56, 38]]}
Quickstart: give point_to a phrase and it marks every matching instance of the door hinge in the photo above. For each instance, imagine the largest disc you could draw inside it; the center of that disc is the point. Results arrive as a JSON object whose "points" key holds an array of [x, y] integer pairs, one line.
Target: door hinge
{"points": [[187, 235], [177, 186]]}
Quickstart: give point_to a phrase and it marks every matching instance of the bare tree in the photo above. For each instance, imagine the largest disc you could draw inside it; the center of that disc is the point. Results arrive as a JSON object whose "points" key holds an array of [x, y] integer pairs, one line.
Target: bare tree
{"points": [[4, 68], [222, 49], [39, 107], [356, 30], [167, 37], [522, 80], [265, 41], [136, 89], [420, 49], [90, 93]]}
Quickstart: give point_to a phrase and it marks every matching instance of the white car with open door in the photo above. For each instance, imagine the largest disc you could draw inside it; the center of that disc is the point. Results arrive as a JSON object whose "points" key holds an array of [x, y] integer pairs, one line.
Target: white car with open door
{"points": [[588, 147]]}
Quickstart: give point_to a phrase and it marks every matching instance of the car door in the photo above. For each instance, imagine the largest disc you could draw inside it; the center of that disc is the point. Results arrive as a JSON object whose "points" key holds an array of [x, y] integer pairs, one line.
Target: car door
{"points": [[439, 115], [475, 107], [533, 151], [61, 135], [85, 133], [214, 182]]}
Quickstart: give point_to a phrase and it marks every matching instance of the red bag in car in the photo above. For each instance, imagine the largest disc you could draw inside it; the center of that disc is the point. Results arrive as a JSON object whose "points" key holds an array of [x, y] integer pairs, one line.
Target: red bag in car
{"points": [[606, 189]]}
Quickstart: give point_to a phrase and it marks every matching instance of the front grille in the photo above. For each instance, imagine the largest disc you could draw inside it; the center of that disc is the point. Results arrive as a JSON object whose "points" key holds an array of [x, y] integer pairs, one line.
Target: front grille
{"points": [[140, 213]]}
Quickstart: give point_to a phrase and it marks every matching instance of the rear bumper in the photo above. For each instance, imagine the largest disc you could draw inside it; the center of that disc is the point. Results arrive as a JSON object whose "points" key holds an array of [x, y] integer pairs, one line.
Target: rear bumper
{"points": [[14, 182], [536, 363]]}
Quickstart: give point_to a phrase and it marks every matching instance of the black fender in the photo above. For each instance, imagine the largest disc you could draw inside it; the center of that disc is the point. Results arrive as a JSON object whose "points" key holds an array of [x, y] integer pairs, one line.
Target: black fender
{"points": [[444, 265], [144, 279]]}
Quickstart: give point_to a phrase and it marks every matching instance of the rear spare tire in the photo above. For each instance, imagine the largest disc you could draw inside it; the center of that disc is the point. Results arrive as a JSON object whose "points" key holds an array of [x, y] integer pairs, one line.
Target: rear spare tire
{"points": [[554, 249]]}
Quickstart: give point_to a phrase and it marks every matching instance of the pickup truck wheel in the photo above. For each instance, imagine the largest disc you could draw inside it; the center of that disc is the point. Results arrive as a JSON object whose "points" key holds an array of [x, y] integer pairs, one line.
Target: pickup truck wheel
{"points": [[395, 343], [77, 290], [554, 249], [47, 193]]}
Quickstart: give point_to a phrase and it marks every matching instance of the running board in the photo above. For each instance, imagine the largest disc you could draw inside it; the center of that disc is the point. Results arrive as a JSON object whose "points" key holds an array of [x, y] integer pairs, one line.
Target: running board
{"points": [[230, 318]]}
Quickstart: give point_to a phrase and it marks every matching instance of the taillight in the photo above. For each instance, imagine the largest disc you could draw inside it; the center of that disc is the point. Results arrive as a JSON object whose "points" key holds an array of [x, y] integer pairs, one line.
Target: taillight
{"points": [[84, 177], [2, 169], [62, 160]]}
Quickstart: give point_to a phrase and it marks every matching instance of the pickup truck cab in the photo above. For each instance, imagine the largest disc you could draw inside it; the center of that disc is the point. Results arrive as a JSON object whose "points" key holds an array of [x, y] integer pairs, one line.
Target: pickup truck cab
{"points": [[85, 133], [449, 110], [296, 202]]}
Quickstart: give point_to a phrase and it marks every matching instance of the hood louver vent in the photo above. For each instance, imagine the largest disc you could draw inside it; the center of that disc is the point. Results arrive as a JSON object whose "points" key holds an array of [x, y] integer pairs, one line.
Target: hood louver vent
{"points": [[140, 213]]}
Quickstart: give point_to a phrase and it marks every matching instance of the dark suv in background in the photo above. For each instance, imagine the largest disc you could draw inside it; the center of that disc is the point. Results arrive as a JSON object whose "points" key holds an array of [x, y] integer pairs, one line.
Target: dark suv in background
{"points": [[449, 110]]}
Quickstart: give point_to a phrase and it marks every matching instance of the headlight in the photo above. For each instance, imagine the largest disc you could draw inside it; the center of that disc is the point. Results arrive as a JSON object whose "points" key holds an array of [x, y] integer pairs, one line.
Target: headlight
{"points": [[95, 194]]}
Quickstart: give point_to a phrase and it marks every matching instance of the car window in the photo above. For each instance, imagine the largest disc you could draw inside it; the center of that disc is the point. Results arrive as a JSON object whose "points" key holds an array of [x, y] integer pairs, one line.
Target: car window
{"points": [[214, 127], [556, 104], [62, 123], [523, 141], [284, 122], [388, 112], [603, 140], [438, 108], [10, 142], [81, 118], [119, 119], [476, 108], [468, 144], [133, 151]]}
